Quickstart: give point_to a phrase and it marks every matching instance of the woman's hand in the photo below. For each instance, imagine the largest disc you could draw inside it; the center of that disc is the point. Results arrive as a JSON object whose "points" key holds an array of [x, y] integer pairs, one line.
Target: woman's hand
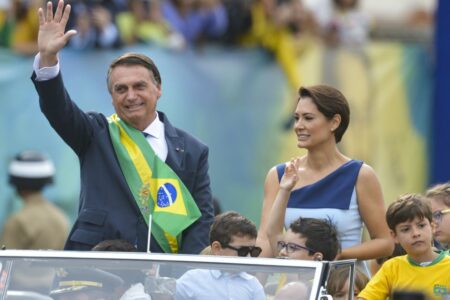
{"points": [[290, 176]]}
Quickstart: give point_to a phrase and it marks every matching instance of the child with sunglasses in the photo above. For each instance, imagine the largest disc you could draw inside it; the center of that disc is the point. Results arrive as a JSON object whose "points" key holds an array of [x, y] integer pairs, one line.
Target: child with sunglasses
{"points": [[439, 196], [306, 238], [231, 234]]}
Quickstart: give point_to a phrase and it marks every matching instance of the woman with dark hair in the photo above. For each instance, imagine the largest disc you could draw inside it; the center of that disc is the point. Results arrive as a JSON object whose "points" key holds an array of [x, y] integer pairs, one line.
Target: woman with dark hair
{"points": [[330, 185]]}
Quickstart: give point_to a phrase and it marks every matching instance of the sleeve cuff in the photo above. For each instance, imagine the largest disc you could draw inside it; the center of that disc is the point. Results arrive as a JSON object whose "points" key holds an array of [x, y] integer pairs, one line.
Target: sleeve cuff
{"points": [[45, 73]]}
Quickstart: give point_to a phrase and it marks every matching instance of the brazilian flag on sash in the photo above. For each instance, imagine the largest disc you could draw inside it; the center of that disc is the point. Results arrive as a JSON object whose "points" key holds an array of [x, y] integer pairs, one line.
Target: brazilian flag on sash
{"points": [[157, 190]]}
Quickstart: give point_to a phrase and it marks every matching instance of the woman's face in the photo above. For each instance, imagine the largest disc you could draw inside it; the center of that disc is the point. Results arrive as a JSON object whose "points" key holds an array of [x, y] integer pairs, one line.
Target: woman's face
{"points": [[442, 225], [311, 126]]}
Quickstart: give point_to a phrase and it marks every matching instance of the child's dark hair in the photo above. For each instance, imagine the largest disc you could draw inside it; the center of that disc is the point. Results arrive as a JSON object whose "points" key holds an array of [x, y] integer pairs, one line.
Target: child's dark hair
{"points": [[406, 208], [321, 236], [229, 224], [115, 245]]}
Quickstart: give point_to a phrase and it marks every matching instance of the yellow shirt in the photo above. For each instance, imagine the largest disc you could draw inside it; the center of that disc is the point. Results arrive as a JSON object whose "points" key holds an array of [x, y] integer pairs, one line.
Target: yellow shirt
{"points": [[400, 273]]}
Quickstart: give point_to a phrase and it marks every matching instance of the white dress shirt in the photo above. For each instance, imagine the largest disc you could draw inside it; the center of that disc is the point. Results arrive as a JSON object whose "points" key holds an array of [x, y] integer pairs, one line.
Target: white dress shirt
{"points": [[202, 284], [156, 136]]}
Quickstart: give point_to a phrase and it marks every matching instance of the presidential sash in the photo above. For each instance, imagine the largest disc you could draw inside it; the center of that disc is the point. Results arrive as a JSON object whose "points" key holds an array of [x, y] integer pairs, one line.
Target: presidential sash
{"points": [[156, 188]]}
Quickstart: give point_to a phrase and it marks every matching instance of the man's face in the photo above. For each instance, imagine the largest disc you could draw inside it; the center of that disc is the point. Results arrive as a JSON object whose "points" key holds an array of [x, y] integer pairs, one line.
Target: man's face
{"points": [[236, 242], [134, 94], [414, 236]]}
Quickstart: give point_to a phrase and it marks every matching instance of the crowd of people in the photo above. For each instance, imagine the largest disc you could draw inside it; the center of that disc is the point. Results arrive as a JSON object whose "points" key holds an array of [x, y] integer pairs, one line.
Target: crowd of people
{"points": [[135, 163], [179, 24], [282, 28]]}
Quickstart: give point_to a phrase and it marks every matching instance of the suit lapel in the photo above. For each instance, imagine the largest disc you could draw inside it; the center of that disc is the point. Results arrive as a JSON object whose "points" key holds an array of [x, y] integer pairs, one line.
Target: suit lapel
{"points": [[175, 155], [175, 145]]}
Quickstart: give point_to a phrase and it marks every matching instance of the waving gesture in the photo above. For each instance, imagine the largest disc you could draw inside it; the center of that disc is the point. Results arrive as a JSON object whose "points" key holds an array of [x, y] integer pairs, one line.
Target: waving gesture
{"points": [[275, 222], [290, 175], [52, 37]]}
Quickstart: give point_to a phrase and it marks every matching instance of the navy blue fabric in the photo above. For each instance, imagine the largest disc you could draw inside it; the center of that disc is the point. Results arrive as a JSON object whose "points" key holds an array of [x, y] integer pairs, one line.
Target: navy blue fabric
{"points": [[107, 209], [333, 191], [440, 158]]}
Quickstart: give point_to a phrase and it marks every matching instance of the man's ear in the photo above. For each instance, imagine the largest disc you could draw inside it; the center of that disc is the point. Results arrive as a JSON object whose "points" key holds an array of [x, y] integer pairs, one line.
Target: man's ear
{"points": [[394, 236], [216, 247], [318, 256], [159, 91]]}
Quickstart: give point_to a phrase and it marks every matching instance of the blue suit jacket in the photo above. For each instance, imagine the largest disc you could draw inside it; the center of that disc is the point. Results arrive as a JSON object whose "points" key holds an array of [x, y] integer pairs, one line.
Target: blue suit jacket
{"points": [[107, 209]]}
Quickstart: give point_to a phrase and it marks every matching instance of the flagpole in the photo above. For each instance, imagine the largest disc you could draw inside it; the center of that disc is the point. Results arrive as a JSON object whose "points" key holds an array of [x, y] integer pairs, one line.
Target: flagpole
{"points": [[149, 232]]}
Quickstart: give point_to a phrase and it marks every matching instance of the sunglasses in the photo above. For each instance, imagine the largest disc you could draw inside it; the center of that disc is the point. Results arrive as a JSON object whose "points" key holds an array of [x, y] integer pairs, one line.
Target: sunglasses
{"points": [[254, 251], [292, 247], [437, 215]]}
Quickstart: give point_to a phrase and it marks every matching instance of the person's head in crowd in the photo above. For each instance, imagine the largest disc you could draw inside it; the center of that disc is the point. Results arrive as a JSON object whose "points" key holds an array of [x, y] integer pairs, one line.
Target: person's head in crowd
{"points": [[310, 239], [95, 25], [85, 284], [115, 245], [132, 288], [410, 220], [138, 72], [293, 290], [30, 171], [345, 4], [402, 294], [439, 196], [331, 111], [338, 283], [232, 234]]}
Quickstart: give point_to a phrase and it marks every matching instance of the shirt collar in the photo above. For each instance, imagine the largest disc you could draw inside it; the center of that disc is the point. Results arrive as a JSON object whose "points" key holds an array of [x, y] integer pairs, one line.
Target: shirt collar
{"points": [[156, 128], [217, 273], [440, 257]]}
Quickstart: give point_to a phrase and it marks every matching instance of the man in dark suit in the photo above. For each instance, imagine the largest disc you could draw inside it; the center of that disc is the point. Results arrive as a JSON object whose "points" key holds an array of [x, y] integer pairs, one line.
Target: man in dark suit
{"points": [[107, 209]]}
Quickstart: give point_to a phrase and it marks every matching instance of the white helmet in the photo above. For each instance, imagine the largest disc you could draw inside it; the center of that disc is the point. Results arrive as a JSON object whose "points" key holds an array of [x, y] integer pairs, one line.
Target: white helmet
{"points": [[31, 170]]}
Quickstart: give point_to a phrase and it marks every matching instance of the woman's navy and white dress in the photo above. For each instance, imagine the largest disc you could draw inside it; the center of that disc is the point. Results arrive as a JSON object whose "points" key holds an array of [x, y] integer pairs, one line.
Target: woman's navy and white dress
{"points": [[332, 197]]}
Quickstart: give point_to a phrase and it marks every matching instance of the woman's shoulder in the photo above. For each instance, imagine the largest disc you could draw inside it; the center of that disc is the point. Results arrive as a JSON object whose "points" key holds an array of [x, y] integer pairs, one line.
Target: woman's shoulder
{"points": [[366, 172], [272, 176], [367, 179], [275, 172]]}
